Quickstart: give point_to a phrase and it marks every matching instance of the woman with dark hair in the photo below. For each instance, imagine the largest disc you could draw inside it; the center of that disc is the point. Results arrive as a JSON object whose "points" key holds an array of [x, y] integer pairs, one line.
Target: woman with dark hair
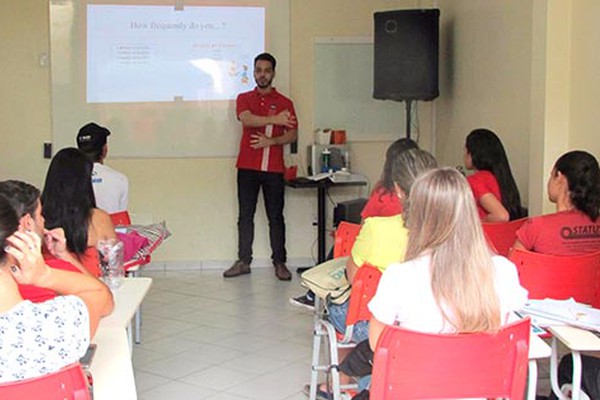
{"points": [[384, 201], [68, 201], [40, 338], [574, 186], [493, 184]]}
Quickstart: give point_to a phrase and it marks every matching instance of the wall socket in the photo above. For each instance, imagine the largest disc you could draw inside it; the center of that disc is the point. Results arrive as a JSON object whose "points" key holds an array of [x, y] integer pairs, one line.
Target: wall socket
{"points": [[47, 150]]}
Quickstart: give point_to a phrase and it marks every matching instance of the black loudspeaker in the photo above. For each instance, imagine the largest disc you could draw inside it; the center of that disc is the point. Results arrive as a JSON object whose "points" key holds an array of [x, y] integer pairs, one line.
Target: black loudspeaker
{"points": [[406, 54]]}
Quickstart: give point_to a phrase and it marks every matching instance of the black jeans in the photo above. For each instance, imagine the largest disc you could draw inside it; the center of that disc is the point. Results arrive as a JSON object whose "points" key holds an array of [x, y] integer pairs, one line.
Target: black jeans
{"points": [[249, 183], [590, 375]]}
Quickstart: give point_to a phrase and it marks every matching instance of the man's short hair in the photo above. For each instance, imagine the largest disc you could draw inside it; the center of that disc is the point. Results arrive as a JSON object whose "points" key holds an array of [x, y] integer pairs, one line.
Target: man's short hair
{"points": [[22, 196], [266, 57], [91, 140]]}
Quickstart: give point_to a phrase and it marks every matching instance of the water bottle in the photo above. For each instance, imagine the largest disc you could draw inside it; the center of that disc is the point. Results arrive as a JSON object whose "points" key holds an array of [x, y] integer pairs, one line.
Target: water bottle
{"points": [[110, 252], [346, 161], [325, 160]]}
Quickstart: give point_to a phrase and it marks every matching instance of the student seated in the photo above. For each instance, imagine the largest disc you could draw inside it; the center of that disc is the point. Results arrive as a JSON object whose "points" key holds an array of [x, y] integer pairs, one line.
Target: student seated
{"points": [[449, 281], [382, 240], [383, 202], [111, 187], [40, 338], [493, 185], [25, 200], [590, 376], [574, 186], [68, 201]]}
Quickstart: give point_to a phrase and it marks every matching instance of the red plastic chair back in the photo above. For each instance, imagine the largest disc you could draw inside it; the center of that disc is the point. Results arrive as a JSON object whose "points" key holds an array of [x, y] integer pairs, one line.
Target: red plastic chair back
{"points": [[345, 235], [416, 365], [559, 277], [69, 383], [502, 235], [120, 218], [363, 289]]}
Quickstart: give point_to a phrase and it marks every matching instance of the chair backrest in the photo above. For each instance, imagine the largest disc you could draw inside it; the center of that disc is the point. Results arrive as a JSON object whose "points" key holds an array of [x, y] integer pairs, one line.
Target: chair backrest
{"points": [[416, 365], [69, 383], [345, 235], [502, 235], [559, 277], [120, 218], [363, 289]]}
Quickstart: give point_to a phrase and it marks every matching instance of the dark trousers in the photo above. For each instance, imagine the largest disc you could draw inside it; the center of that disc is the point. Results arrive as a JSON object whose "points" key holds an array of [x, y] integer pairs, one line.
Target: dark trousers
{"points": [[249, 183], [590, 375]]}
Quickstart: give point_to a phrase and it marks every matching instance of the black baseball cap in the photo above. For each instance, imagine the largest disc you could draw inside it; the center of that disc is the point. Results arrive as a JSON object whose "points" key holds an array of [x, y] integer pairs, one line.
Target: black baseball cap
{"points": [[92, 137]]}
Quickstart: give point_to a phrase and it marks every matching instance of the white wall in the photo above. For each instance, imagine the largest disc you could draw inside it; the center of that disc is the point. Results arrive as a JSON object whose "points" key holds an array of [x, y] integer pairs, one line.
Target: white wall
{"points": [[499, 69], [485, 78], [585, 77]]}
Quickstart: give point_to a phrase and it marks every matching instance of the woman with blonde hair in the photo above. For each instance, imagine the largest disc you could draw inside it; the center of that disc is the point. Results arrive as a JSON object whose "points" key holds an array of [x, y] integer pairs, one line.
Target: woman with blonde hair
{"points": [[449, 281]]}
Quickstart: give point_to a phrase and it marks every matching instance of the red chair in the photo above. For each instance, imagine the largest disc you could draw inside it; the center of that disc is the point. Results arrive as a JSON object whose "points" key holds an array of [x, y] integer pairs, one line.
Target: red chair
{"points": [[345, 235], [363, 289], [69, 383], [559, 277], [416, 365], [502, 235]]}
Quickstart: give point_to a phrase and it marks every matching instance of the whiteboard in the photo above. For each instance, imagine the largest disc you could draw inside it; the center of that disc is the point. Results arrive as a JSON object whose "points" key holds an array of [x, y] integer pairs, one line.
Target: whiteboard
{"points": [[343, 71], [173, 125]]}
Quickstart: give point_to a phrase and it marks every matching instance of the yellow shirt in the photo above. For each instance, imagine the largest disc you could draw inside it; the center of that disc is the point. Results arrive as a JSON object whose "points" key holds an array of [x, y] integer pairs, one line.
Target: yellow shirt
{"points": [[380, 242]]}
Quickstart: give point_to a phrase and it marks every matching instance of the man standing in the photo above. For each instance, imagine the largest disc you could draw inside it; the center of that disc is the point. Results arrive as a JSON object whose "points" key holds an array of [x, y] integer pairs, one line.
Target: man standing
{"points": [[269, 121], [111, 188]]}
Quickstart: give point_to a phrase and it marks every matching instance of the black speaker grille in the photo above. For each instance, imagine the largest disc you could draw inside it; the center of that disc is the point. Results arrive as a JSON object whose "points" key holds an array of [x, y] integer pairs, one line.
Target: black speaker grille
{"points": [[406, 55]]}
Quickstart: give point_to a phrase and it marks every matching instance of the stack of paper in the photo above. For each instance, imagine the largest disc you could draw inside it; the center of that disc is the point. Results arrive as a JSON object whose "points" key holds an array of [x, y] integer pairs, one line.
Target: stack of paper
{"points": [[550, 312]]}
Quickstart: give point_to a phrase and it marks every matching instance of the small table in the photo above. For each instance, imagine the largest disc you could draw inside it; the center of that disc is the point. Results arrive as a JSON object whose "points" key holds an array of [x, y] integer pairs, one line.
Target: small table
{"points": [[128, 299], [322, 186]]}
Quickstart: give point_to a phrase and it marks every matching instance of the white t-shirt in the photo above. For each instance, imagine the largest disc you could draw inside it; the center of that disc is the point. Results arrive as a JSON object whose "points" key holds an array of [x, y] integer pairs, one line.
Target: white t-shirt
{"points": [[40, 338], [111, 189], [404, 294]]}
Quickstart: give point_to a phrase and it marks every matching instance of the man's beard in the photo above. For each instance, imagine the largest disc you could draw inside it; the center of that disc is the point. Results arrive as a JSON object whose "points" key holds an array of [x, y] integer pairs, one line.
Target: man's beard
{"points": [[263, 86]]}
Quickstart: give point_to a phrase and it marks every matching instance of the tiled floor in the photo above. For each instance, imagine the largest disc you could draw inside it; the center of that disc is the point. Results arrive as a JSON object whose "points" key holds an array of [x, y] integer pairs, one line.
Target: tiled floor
{"points": [[204, 337]]}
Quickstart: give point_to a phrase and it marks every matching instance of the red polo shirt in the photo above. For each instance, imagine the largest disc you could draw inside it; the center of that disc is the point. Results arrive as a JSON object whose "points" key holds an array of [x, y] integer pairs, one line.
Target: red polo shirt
{"points": [[483, 182], [270, 158]]}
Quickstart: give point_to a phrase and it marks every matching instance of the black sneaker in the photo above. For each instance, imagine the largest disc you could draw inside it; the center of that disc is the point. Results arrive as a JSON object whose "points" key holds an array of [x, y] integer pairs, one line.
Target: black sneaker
{"points": [[303, 301]]}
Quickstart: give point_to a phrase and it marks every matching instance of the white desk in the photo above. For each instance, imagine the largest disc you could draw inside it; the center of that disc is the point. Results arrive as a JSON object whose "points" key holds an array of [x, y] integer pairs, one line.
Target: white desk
{"points": [[111, 367], [128, 299], [577, 340]]}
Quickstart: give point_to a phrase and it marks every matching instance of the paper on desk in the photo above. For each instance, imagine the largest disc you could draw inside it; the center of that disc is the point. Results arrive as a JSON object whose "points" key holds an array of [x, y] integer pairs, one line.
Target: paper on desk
{"points": [[550, 312]]}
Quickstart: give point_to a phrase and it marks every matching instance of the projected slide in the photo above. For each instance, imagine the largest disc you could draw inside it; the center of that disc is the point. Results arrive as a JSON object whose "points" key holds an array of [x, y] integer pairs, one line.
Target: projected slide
{"points": [[163, 54]]}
